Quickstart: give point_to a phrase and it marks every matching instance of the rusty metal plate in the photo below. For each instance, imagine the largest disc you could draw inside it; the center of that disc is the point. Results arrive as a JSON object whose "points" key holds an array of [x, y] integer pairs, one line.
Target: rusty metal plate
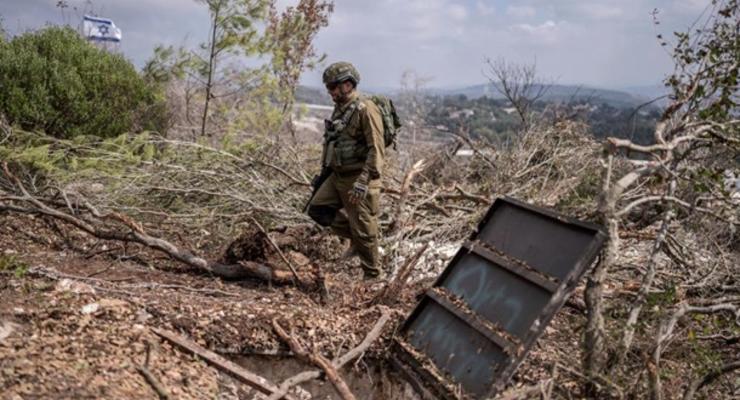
{"points": [[455, 347], [495, 293], [551, 243], [472, 329]]}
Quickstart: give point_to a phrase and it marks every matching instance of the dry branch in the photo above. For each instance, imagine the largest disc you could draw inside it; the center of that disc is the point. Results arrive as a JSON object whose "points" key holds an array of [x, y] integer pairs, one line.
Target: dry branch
{"points": [[153, 382], [95, 225], [463, 136], [315, 358], [389, 294], [399, 219], [280, 252], [666, 331], [537, 391], [709, 378], [341, 361], [240, 373], [647, 282]]}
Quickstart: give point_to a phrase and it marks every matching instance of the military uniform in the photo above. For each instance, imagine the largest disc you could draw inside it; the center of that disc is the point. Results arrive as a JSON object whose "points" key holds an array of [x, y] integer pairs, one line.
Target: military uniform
{"points": [[353, 150]]}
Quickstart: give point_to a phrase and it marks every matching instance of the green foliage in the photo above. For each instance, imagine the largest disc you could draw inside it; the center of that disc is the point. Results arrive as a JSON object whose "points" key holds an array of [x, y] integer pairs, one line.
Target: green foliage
{"points": [[68, 159], [663, 298], [167, 63], [12, 264], [55, 81], [703, 354], [483, 117], [706, 77], [252, 55], [584, 194], [289, 38]]}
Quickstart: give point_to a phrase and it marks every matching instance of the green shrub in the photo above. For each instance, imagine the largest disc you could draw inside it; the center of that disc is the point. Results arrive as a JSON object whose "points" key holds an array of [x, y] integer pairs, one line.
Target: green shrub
{"points": [[10, 263], [54, 80]]}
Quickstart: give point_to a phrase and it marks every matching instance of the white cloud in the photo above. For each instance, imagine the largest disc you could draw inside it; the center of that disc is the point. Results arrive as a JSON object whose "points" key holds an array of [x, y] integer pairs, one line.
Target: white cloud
{"points": [[545, 28], [582, 41], [484, 9], [521, 11], [692, 5], [457, 12], [600, 11], [686, 7]]}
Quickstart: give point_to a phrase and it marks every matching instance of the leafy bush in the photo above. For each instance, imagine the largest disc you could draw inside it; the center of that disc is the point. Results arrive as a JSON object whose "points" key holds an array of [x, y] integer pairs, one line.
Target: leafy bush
{"points": [[9, 263], [53, 80]]}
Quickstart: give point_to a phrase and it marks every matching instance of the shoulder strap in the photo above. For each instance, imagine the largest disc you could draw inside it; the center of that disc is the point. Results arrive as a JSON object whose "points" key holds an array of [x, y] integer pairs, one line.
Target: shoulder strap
{"points": [[341, 122]]}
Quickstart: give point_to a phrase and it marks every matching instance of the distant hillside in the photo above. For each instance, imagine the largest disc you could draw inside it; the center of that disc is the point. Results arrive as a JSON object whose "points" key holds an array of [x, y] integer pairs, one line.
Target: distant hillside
{"points": [[614, 98], [625, 99], [649, 93], [628, 97], [312, 95]]}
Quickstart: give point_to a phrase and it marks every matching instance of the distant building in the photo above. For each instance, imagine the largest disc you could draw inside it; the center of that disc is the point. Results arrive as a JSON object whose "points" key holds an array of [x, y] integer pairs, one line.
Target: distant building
{"points": [[462, 113], [464, 153]]}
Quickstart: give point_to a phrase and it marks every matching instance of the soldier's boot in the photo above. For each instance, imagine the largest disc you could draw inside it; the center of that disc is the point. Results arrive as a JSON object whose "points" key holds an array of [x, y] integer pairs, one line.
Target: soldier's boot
{"points": [[369, 261]]}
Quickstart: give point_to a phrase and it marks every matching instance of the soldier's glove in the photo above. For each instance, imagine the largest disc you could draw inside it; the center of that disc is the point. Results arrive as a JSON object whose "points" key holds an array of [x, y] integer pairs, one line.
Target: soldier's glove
{"points": [[359, 190]]}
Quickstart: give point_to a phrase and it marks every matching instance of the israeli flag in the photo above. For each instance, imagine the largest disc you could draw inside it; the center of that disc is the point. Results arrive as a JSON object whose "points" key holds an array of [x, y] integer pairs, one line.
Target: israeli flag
{"points": [[100, 29]]}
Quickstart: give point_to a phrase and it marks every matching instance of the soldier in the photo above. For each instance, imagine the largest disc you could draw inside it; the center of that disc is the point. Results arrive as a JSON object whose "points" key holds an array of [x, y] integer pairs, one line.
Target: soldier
{"points": [[348, 200]]}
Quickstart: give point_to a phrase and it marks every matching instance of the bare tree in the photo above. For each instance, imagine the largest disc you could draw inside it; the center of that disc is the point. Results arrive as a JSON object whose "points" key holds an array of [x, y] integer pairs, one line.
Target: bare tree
{"points": [[519, 84], [412, 99], [697, 134]]}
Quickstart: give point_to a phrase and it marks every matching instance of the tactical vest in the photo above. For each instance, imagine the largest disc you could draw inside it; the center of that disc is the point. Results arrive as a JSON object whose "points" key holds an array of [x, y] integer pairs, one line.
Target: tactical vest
{"points": [[341, 148]]}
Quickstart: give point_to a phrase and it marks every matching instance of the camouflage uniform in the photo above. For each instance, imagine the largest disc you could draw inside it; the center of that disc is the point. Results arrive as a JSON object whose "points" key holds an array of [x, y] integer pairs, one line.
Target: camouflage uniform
{"points": [[353, 151]]}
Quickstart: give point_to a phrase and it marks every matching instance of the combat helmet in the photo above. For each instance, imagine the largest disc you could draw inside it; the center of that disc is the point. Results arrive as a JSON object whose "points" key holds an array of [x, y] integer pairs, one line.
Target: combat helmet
{"points": [[340, 72]]}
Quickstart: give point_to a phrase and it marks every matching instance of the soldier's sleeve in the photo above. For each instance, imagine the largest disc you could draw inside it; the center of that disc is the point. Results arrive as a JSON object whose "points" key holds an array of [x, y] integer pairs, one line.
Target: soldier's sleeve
{"points": [[371, 123]]}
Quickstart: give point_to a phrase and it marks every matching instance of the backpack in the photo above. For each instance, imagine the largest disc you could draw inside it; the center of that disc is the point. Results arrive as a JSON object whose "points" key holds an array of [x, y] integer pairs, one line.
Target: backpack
{"points": [[391, 122]]}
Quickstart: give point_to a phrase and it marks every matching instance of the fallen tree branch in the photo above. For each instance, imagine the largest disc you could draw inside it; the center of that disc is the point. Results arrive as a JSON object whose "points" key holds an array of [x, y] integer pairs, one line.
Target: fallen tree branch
{"points": [[463, 136], [400, 219], [136, 234], [597, 380], [647, 283], [153, 382], [341, 361], [467, 196], [280, 252], [150, 378], [671, 199], [238, 372], [315, 358], [56, 275], [709, 378], [666, 331], [538, 390], [389, 294]]}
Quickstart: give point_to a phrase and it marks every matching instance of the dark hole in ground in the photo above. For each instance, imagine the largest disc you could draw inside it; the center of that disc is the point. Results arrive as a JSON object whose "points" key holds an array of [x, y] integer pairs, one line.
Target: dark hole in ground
{"points": [[368, 379]]}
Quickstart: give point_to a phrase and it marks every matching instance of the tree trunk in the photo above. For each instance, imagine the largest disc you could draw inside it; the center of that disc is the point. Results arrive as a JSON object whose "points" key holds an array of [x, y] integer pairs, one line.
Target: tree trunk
{"points": [[211, 67]]}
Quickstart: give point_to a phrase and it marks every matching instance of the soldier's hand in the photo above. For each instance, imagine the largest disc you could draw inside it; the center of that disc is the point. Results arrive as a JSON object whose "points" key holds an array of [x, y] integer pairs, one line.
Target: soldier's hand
{"points": [[358, 192]]}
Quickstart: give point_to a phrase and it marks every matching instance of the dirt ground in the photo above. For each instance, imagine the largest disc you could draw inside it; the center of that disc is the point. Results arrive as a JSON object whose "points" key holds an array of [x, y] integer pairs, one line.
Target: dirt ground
{"points": [[75, 318], [76, 325]]}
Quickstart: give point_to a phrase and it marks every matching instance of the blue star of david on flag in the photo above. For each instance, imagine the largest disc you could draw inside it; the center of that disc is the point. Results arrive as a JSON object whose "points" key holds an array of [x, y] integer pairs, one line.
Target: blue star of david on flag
{"points": [[100, 29]]}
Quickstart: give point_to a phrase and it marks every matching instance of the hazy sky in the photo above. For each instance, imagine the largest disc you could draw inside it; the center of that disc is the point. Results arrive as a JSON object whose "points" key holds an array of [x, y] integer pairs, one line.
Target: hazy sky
{"points": [[605, 43]]}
